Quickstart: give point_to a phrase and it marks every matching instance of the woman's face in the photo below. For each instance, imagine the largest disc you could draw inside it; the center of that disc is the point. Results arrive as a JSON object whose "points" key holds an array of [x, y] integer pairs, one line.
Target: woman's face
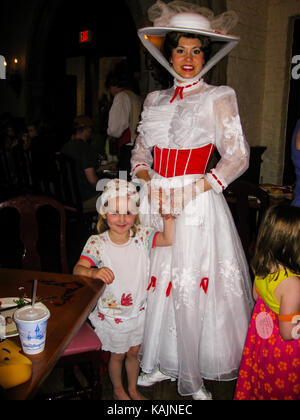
{"points": [[188, 58]]}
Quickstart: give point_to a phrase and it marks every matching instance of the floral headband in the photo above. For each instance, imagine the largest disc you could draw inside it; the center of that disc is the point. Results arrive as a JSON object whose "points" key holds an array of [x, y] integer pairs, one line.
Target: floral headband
{"points": [[119, 188]]}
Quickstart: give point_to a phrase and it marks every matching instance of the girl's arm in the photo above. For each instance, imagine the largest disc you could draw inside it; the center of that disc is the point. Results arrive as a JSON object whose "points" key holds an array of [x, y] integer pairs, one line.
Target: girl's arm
{"points": [[289, 291], [255, 294], [165, 238], [84, 268]]}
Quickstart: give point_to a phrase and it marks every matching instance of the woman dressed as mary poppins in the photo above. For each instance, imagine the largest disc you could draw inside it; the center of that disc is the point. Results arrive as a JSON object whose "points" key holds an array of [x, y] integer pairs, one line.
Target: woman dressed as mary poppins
{"points": [[199, 292]]}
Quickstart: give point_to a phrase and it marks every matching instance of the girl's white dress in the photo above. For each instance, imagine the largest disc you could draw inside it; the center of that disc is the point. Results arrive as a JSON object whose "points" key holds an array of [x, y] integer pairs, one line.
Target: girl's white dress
{"points": [[119, 316], [200, 300]]}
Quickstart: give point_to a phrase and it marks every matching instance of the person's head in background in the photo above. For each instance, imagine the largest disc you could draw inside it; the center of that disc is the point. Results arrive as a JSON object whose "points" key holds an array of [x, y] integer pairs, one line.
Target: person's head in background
{"points": [[119, 79], [82, 128]]}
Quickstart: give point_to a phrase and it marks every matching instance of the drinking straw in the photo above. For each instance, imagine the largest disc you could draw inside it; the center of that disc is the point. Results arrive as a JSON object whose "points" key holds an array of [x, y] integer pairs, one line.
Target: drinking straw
{"points": [[34, 292]]}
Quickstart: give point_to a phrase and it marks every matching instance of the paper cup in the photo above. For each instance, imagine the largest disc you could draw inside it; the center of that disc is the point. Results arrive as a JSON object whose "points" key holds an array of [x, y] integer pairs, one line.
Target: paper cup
{"points": [[32, 327]]}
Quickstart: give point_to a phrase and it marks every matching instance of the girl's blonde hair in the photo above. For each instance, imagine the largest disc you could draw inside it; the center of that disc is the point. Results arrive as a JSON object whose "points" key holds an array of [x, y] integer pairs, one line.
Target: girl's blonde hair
{"points": [[278, 241]]}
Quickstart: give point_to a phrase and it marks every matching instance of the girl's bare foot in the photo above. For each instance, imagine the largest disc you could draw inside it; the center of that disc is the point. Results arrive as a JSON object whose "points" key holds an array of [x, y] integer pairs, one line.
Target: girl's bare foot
{"points": [[121, 395], [136, 395]]}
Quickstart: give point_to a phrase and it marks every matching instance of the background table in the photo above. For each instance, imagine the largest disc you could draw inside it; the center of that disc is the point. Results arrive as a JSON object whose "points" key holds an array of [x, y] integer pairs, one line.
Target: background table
{"points": [[75, 298]]}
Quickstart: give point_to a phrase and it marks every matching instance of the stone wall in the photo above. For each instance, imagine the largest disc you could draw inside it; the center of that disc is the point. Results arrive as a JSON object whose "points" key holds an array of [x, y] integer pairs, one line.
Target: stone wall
{"points": [[258, 69], [278, 59], [246, 65]]}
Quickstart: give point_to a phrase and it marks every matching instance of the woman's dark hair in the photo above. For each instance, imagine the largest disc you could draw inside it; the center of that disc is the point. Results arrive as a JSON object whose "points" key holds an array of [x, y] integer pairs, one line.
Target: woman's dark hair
{"points": [[172, 40], [278, 241]]}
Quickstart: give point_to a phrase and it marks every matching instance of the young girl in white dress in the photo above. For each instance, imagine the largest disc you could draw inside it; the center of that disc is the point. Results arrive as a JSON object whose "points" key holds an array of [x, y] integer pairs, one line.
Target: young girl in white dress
{"points": [[119, 255]]}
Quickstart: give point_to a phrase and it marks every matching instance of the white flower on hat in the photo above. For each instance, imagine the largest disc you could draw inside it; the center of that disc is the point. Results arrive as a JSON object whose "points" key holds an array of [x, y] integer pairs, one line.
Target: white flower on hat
{"points": [[162, 14]]}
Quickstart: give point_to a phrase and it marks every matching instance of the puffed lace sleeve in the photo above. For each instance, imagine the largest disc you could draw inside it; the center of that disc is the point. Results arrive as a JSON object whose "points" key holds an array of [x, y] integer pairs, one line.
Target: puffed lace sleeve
{"points": [[141, 157], [230, 141]]}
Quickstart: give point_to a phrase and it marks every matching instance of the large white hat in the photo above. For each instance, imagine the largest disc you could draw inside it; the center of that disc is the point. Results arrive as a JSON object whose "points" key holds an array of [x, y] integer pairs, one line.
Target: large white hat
{"points": [[179, 16]]}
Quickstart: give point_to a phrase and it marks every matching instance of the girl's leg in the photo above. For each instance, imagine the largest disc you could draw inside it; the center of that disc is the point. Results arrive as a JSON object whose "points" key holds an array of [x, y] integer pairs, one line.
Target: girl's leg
{"points": [[132, 366], [115, 374]]}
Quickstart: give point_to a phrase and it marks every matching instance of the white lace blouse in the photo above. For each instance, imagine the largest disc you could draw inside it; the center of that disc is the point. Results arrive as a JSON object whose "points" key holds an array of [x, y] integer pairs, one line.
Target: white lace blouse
{"points": [[206, 114]]}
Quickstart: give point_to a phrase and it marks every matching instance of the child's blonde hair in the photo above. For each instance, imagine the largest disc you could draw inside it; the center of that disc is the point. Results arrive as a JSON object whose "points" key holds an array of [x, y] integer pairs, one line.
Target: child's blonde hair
{"points": [[278, 241]]}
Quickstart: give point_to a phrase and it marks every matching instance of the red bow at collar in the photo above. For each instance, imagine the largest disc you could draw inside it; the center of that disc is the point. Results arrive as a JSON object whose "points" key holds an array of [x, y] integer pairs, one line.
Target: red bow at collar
{"points": [[179, 90]]}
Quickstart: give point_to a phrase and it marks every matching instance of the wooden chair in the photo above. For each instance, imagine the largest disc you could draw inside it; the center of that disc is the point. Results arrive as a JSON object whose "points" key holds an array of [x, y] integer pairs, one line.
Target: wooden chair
{"points": [[62, 184], [15, 170], [247, 202], [86, 346], [5, 176]]}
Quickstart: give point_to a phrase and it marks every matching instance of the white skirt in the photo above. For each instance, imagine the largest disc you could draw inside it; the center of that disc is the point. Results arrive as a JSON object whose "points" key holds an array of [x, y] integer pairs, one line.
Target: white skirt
{"points": [[118, 338], [200, 303]]}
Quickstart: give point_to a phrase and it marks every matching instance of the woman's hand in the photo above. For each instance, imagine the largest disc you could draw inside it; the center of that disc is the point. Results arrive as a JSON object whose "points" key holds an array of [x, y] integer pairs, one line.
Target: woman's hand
{"points": [[181, 197]]}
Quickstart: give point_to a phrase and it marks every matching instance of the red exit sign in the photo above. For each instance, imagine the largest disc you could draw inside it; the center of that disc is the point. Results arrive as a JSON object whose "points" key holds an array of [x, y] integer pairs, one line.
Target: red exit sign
{"points": [[85, 36]]}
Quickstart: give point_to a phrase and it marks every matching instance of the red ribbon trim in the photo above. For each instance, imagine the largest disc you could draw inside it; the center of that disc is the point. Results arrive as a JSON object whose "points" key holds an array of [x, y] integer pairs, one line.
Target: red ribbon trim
{"points": [[152, 284], [169, 289], [204, 284], [179, 89]]}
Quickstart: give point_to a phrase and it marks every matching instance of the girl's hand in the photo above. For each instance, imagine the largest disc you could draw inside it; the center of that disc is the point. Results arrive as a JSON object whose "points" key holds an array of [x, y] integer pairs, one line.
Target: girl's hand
{"points": [[168, 216], [105, 274]]}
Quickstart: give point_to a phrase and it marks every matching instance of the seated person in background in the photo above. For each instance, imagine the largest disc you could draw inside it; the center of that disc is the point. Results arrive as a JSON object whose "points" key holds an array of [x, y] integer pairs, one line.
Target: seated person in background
{"points": [[124, 114], [84, 156]]}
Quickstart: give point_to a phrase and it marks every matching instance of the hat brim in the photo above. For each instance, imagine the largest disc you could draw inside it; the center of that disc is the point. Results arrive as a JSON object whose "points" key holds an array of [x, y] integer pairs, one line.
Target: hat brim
{"points": [[229, 40], [162, 31]]}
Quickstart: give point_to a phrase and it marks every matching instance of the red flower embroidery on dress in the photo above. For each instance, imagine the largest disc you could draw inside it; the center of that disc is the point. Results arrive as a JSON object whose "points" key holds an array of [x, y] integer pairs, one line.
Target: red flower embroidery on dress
{"points": [[204, 284], [152, 284], [118, 320], [169, 289], [101, 316], [126, 300]]}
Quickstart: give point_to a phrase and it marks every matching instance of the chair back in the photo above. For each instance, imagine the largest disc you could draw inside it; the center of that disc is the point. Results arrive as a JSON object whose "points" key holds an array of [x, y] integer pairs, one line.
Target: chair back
{"points": [[62, 182], [5, 175], [247, 202], [28, 206], [15, 169]]}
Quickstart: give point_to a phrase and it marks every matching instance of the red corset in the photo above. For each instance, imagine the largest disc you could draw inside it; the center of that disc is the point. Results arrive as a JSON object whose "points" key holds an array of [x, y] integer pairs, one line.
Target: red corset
{"points": [[174, 162]]}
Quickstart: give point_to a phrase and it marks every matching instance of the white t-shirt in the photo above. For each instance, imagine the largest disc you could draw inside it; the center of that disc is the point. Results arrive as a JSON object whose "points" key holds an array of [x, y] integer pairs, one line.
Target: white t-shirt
{"points": [[125, 297]]}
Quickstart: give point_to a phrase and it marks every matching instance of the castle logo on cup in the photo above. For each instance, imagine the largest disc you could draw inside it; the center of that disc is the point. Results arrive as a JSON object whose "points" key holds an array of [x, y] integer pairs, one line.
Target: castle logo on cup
{"points": [[32, 327]]}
